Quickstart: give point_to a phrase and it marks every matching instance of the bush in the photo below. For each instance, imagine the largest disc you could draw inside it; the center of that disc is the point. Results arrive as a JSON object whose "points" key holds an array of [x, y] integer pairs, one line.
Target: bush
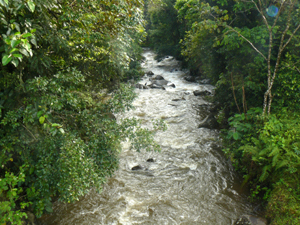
{"points": [[284, 203]]}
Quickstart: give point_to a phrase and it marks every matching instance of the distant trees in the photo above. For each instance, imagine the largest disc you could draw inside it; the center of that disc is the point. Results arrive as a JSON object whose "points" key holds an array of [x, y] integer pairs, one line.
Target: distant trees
{"points": [[163, 28]]}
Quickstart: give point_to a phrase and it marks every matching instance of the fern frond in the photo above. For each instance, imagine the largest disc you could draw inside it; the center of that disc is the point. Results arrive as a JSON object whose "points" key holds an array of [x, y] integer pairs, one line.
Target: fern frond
{"points": [[282, 164], [275, 151], [275, 160], [249, 149], [265, 173], [265, 151]]}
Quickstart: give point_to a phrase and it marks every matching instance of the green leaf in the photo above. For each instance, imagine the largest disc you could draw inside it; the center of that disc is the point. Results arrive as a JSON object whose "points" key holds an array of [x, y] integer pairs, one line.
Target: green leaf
{"points": [[42, 119], [17, 26], [31, 170], [13, 50], [31, 5], [15, 62], [49, 209], [6, 1], [27, 46], [236, 135], [33, 41], [61, 130], [56, 125], [26, 35], [18, 56], [14, 43], [7, 41], [39, 114], [6, 59], [24, 52]]}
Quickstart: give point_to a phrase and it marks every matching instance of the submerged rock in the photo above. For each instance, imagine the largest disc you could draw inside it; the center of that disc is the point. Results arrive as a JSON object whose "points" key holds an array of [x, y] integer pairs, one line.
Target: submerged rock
{"points": [[172, 70], [138, 167], [250, 220], [156, 86], [160, 82], [141, 86], [190, 78], [205, 81], [178, 99], [201, 93], [149, 73], [158, 77]]}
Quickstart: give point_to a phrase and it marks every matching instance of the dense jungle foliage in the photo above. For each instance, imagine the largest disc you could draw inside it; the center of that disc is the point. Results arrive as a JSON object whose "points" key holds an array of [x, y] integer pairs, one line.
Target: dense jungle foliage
{"points": [[62, 69], [250, 50]]}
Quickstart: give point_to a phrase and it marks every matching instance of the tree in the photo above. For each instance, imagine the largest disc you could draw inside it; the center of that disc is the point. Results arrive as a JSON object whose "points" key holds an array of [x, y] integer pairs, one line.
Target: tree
{"points": [[281, 27], [60, 86]]}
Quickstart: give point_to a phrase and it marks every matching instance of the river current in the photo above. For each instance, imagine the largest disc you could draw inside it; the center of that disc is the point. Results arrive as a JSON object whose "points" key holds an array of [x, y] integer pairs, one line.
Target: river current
{"points": [[189, 182]]}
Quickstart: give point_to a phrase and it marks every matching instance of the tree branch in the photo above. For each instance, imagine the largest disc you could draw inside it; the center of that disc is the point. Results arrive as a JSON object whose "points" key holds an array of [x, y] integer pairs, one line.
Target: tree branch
{"points": [[29, 132], [246, 39]]}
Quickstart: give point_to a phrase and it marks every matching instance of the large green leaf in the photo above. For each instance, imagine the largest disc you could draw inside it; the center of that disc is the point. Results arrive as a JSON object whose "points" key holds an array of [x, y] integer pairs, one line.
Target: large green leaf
{"points": [[31, 5], [24, 52], [26, 35], [6, 59], [14, 43], [236, 135]]}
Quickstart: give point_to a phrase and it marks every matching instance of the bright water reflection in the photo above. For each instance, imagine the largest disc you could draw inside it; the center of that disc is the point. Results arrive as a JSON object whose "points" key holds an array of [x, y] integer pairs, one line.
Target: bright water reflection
{"points": [[189, 182]]}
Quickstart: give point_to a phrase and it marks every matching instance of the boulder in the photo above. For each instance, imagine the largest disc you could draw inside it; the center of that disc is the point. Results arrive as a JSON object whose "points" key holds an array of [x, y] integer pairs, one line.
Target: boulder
{"points": [[171, 85], [156, 86], [178, 99], [209, 122], [190, 78], [149, 73], [250, 220], [175, 69], [141, 86], [205, 81], [158, 77], [160, 82], [201, 93], [138, 167]]}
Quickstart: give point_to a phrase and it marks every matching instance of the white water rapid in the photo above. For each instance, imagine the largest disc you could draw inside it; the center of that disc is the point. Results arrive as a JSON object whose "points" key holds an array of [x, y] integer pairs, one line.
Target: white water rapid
{"points": [[189, 182]]}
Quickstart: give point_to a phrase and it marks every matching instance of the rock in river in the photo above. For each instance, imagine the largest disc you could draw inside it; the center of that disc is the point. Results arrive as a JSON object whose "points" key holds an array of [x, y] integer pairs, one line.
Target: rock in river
{"points": [[149, 73], [138, 167], [201, 93], [250, 220]]}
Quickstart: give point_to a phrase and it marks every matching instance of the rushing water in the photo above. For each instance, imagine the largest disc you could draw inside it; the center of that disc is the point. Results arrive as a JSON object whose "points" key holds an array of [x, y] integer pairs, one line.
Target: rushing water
{"points": [[188, 182]]}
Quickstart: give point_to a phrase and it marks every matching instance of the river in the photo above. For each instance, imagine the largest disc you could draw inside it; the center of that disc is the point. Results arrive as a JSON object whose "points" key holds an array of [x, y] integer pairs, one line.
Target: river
{"points": [[189, 182]]}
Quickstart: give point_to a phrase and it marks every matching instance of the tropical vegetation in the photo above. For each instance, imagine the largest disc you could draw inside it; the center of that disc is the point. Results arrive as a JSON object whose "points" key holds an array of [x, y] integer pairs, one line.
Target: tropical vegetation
{"points": [[64, 67], [250, 52]]}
